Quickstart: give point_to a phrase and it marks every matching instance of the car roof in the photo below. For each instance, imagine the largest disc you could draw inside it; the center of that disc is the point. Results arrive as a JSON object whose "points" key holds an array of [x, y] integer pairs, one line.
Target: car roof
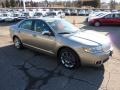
{"points": [[46, 19], [115, 12]]}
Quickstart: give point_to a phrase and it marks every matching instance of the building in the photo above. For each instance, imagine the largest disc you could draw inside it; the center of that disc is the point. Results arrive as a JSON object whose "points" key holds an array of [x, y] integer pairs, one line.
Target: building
{"points": [[105, 5]]}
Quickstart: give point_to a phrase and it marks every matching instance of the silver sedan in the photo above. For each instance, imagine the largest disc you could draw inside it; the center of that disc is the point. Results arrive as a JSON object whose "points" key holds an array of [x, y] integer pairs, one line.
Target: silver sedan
{"points": [[72, 46]]}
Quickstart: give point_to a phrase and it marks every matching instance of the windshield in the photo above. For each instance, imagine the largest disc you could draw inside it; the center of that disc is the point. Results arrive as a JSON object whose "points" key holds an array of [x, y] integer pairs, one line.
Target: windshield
{"points": [[25, 14], [102, 14], [38, 14], [51, 14], [5, 15], [62, 26], [15, 15]]}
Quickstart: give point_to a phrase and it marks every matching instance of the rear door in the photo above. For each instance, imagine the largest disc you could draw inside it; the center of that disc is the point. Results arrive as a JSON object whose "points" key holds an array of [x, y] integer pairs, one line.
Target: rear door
{"points": [[117, 19], [108, 19], [26, 32]]}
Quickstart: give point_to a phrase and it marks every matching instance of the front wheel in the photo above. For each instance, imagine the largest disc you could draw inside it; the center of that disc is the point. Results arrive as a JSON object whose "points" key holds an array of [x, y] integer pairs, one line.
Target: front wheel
{"points": [[68, 58]]}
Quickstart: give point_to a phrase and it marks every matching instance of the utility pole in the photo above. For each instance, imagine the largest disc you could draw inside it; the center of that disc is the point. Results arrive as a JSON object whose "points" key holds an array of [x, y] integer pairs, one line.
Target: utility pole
{"points": [[114, 4], [24, 5], [82, 3]]}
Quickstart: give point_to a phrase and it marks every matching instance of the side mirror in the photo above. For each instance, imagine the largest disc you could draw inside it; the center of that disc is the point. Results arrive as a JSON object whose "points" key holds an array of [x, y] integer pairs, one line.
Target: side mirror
{"points": [[48, 33]]}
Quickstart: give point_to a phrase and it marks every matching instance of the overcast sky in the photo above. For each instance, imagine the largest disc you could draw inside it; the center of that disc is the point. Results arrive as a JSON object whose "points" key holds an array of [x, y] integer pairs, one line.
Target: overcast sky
{"points": [[109, 0]]}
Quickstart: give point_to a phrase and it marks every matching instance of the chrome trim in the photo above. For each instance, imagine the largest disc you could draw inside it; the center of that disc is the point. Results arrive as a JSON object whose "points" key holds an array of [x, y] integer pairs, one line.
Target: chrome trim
{"points": [[38, 48]]}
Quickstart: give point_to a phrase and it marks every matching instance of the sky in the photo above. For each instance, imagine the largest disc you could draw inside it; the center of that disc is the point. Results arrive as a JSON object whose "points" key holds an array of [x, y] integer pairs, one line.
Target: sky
{"points": [[109, 0], [73, 0]]}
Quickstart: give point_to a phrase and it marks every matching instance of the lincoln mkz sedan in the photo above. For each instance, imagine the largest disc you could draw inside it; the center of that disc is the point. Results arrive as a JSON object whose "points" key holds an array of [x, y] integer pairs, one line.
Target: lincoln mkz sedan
{"points": [[72, 46]]}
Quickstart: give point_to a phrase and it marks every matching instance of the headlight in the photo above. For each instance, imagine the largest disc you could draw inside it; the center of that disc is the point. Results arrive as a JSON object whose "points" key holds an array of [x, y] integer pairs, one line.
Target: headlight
{"points": [[96, 49]]}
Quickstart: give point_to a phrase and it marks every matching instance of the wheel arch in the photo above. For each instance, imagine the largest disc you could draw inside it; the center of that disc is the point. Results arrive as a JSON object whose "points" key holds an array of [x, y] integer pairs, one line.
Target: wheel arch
{"points": [[77, 56], [98, 21], [15, 36], [63, 47]]}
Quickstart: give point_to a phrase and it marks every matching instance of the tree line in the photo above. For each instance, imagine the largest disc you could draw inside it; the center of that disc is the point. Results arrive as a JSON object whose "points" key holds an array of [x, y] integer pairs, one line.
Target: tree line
{"points": [[77, 3]]}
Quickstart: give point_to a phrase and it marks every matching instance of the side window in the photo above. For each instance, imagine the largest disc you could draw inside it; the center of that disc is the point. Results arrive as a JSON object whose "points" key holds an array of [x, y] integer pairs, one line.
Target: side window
{"points": [[117, 16], [41, 26], [109, 16], [26, 24]]}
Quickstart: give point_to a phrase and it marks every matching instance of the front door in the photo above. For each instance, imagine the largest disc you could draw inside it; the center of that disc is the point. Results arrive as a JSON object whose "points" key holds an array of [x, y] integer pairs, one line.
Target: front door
{"points": [[117, 19], [44, 42]]}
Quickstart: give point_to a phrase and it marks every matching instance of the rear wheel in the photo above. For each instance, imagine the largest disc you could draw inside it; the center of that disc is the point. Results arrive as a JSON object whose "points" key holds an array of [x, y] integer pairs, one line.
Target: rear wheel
{"points": [[68, 58], [97, 24], [17, 43]]}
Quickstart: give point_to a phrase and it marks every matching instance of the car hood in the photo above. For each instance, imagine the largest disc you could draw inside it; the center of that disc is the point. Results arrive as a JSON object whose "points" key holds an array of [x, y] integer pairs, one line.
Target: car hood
{"points": [[89, 37]]}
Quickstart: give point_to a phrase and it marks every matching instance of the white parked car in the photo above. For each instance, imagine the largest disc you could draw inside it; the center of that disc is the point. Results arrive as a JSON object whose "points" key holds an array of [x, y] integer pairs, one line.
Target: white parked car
{"points": [[38, 14], [13, 17], [55, 14], [61, 13], [67, 12], [96, 14], [4, 16], [26, 15], [82, 13], [74, 12]]}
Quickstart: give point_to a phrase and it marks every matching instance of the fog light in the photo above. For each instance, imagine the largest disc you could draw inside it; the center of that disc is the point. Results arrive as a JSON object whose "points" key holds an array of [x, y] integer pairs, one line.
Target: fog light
{"points": [[98, 62]]}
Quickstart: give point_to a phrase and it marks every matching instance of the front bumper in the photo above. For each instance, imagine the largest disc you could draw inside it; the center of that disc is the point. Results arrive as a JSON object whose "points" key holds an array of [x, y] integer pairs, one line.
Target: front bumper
{"points": [[96, 59]]}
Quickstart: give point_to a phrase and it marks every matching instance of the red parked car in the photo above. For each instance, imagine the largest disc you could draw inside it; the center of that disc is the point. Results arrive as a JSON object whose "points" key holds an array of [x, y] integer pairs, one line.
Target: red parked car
{"points": [[109, 19]]}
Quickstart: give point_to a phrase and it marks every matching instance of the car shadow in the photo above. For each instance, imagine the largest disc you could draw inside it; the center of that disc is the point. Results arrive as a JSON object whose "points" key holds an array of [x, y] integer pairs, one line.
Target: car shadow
{"points": [[40, 67]]}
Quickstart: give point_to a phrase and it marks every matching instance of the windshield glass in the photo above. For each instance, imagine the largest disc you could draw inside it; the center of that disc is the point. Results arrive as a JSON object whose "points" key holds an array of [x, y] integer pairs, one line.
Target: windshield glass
{"points": [[15, 15], [26, 14], [38, 14], [62, 26], [51, 14], [5, 15]]}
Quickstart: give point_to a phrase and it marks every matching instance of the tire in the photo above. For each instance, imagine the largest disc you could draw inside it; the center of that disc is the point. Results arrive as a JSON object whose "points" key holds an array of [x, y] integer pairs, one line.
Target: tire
{"points": [[68, 58], [17, 43], [97, 24]]}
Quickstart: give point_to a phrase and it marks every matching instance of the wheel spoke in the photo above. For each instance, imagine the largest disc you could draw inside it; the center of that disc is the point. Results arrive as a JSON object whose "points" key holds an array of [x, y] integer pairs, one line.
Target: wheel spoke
{"points": [[68, 59]]}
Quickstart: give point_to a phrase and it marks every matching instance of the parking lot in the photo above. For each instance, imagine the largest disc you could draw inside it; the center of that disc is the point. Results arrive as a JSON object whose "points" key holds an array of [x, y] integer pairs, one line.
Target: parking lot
{"points": [[29, 70]]}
